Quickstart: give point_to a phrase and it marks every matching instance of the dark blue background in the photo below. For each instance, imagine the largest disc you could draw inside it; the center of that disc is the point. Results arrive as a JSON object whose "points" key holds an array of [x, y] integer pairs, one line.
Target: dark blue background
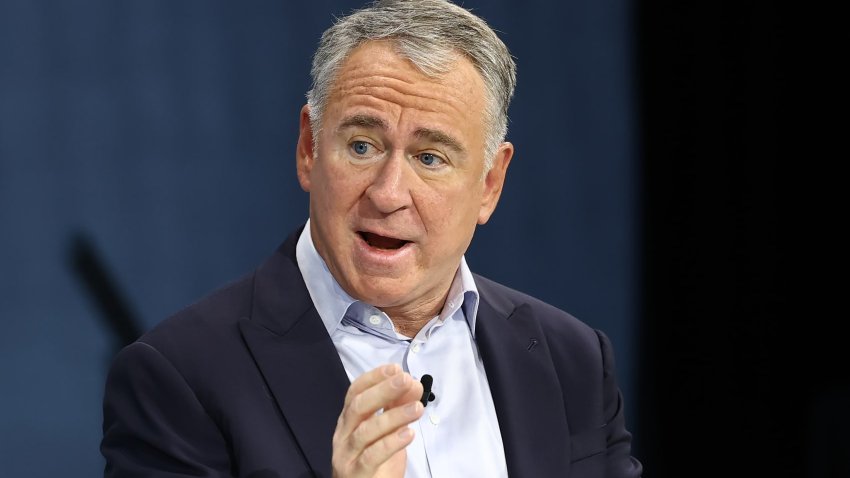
{"points": [[164, 131]]}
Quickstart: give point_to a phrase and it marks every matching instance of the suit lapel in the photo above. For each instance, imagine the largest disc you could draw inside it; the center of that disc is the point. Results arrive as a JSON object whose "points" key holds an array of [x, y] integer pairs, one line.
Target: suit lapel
{"points": [[526, 392], [296, 356], [305, 375]]}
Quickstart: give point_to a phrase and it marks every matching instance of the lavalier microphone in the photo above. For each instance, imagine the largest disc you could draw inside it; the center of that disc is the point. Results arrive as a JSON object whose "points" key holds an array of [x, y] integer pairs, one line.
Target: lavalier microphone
{"points": [[427, 394]]}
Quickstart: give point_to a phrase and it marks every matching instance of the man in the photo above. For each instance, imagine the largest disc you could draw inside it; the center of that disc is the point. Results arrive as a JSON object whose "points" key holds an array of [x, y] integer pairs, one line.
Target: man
{"points": [[312, 364]]}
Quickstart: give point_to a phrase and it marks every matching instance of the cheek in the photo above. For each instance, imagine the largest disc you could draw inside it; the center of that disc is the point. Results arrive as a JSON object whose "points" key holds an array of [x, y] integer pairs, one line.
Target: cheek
{"points": [[449, 215], [336, 186]]}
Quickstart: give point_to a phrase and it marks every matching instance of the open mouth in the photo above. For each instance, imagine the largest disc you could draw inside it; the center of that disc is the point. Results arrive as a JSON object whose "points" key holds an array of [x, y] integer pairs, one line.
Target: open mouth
{"points": [[382, 242]]}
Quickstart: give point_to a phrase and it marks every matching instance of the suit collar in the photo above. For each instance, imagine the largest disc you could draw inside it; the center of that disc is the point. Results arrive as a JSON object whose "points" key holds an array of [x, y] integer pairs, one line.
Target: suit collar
{"points": [[526, 392], [296, 356]]}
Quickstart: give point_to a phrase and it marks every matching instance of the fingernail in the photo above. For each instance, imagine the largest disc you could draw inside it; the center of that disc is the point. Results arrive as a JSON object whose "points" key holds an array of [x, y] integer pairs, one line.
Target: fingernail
{"points": [[389, 370], [399, 381], [412, 409], [405, 433]]}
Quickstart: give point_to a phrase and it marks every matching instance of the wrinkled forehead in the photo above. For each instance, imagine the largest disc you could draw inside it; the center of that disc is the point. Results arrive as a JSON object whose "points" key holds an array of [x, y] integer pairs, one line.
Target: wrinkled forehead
{"points": [[375, 77], [432, 60]]}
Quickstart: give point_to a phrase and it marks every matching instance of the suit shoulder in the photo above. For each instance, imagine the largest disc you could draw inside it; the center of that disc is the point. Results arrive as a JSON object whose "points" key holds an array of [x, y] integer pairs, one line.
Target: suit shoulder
{"points": [[208, 320], [505, 299], [554, 320]]}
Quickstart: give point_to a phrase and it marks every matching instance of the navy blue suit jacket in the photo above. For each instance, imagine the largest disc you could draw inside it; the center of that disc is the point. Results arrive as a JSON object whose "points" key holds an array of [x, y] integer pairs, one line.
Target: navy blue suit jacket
{"points": [[247, 382]]}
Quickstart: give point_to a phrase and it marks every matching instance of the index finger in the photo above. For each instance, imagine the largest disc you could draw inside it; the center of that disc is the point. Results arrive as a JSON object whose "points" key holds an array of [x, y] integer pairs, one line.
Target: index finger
{"points": [[370, 379]]}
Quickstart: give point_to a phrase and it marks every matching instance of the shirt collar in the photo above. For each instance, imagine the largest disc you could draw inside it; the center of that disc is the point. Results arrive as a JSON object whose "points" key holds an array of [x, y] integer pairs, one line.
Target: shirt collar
{"points": [[332, 302]]}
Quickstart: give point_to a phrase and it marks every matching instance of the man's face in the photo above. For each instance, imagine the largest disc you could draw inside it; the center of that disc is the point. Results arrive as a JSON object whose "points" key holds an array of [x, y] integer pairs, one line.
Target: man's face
{"points": [[396, 183]]}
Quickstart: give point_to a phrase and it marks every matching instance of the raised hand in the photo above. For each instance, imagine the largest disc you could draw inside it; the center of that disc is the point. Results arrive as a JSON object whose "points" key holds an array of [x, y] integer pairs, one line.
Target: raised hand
{"points": [[372, 431]]}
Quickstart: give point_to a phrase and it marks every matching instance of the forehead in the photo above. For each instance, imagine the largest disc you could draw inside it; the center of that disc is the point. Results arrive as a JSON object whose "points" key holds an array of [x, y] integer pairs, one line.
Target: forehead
{"points": [[375, 77]]}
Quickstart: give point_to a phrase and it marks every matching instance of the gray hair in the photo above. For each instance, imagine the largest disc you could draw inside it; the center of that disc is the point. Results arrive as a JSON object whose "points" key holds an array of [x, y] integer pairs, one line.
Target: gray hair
{"points": [[429, 33]]}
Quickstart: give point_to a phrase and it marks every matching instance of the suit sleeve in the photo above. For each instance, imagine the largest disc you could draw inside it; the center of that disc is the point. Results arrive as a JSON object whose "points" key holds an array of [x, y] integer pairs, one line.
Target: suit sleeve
{"points": [[153, 422], [619, 462]]}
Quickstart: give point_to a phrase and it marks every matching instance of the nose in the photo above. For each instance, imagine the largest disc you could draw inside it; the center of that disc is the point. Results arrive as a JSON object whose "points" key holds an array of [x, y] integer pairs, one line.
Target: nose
{"points": [[389, 190]]}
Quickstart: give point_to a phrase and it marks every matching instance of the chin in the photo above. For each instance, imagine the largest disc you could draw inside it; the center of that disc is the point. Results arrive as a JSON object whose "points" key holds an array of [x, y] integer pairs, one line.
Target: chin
{"points": [[381, 296]]}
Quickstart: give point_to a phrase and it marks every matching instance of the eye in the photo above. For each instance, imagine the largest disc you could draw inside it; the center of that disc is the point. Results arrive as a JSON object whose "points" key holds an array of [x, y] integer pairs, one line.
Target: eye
{"points": [[360, 147], [430, 160]]}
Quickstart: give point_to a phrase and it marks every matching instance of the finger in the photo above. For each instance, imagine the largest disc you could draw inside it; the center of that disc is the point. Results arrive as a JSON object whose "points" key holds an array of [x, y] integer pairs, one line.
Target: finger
{"points": [[385, 387], [376, 428], [382, 395], [358, 429], [370, 379], [368, 463], [413, 394]]}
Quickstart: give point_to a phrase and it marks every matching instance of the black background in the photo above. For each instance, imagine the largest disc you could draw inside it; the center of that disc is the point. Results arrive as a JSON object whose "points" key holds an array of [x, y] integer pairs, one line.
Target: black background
{"points": [[742, 332]]}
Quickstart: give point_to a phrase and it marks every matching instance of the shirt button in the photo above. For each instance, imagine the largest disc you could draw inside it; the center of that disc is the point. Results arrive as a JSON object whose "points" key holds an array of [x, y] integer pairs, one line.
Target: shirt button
{"points": [[375, 320], [415, 348], [435, 420]]}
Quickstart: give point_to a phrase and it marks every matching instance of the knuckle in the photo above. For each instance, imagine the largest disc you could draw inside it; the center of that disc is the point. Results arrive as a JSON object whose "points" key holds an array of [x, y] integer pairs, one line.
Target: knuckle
{"points": [[358, 437], [349, 417], [355, 405], [352, 393], [349, 396], [369, 458]]}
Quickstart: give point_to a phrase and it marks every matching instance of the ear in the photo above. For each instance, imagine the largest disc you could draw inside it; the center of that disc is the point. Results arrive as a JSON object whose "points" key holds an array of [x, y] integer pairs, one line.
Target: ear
{"points": [[494, 181], [304, 153]]}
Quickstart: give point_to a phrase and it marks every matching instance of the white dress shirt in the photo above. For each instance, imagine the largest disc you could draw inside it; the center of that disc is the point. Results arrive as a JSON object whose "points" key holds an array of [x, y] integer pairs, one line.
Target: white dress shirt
{"points": [[458, 435]]}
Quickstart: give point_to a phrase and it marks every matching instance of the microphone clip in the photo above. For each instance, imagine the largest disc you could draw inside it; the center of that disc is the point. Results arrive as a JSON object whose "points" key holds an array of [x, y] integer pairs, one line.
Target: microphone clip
{"points": [[427, 395]]}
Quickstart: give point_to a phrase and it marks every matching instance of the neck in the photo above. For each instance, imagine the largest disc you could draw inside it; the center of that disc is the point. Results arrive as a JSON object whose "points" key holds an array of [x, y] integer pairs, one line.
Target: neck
{"points": [[409, 320]]}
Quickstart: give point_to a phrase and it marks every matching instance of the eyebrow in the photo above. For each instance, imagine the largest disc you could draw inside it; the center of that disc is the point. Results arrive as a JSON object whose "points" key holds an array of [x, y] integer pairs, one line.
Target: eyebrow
{"points": [[428, 134], [437, 136], [362, 121]]}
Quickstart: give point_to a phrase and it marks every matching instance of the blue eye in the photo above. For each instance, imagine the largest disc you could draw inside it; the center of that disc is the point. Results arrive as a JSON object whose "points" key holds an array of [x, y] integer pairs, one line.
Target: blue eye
{"points": [[360, 147], [429, 159]]}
